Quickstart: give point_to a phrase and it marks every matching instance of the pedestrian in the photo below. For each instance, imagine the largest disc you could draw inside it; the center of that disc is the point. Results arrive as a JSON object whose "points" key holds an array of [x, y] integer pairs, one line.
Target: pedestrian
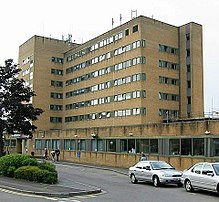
{"points": [[143, 157], [57, 152], [46, 154], [53, 155]]}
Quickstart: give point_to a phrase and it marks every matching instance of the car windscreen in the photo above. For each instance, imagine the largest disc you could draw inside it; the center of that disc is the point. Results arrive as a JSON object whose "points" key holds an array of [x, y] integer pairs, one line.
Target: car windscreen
{"points": [[160, 165], [216, 168]]}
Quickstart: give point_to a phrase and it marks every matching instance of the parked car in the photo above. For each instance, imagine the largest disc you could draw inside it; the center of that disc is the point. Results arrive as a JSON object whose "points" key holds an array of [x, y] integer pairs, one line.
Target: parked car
{"points": [[157, 172], [203, 176]]}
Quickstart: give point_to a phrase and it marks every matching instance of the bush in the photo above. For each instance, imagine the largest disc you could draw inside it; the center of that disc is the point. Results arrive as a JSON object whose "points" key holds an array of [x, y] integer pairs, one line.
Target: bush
{"points": [[14, 160], [30, 162], [45, 165], [47, 177], [10, 171], [24, 167], [27, 173], [34, 173]]}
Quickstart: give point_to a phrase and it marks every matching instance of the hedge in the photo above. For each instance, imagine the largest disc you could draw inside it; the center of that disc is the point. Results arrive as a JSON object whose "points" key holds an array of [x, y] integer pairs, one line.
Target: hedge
{"points": [[26, 167]]}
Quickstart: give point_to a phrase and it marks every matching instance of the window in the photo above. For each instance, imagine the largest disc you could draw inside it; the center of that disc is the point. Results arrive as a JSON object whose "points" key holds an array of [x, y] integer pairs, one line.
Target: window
{"points": [[186, 147], [123, 145], [82, 145], [38, 144], [99, 145], [188, 84], [207, 169], [215, 147], [135, 29], [187, 37], [111, 145], [126, 32], [154, 146], [174, 146], [189, 100], [198, 147], [136, 111], [55, 144], [56, 83], [55, 119], [56, 107], [197, 169], [142, 145], [188, 68], [188, 53], [94, 145]]}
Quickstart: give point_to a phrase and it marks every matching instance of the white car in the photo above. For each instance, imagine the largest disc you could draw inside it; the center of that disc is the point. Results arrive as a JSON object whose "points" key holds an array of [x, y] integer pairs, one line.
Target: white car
{"points": [[203, 176], [157, 172]]}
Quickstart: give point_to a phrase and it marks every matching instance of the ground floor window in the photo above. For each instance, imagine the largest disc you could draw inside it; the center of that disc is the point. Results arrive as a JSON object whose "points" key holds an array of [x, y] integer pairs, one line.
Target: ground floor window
{"points": [[186, 146], [123, 145], [111, 145], [100, 145], [131, 146], [215, 147], [55, 144], [47, 144], [82, 145], [174, 147], [94, 145], [154, 146], [69, 144], [38, 144], [198, 147]]}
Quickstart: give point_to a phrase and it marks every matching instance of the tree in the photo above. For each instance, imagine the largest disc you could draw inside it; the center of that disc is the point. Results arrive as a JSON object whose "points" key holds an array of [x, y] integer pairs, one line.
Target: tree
{"points": [[16, 112]]}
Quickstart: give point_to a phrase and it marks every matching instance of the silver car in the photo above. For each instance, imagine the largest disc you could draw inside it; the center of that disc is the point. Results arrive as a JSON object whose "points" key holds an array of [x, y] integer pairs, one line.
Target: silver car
{"points": [[203, 176], [157, 172]]}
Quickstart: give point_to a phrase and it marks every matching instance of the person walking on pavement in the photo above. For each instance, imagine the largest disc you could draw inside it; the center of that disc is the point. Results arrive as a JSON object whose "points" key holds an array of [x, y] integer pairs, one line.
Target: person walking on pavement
{"points": [[143, 157], [53, 155], [57, 152], [46, 154]]}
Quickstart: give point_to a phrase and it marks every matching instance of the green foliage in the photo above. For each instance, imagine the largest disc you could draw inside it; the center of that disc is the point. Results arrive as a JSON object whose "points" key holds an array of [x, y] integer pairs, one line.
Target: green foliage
{"points": [[47, 177], [15, 160], [45, 165], [15, 114], [24, 167], [27, 173], [30, 162], [34, 173], [10, 171]]}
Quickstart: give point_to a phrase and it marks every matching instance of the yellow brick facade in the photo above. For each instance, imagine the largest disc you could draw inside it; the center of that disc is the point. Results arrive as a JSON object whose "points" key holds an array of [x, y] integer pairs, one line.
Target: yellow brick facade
{"points": [[131, 83]]}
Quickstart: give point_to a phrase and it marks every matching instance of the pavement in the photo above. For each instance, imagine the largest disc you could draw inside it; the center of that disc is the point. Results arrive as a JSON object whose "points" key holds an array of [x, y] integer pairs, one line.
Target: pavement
{"points": [[60, 190]]}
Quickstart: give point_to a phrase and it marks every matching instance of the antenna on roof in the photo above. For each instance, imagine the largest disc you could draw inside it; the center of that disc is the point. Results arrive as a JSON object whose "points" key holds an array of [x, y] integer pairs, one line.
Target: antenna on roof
{"points": [[67, 38], [132, 14], [120, 18], [112, 22]]}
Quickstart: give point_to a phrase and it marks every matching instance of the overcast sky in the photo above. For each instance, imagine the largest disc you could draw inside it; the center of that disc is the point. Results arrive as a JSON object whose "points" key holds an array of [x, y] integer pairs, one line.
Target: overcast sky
{"points": [[86, 19]]}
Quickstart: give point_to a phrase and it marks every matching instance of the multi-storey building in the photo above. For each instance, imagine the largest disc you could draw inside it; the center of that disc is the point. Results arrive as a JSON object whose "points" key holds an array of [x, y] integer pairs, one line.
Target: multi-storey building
{"points": [[144, 71], [127, 88]]}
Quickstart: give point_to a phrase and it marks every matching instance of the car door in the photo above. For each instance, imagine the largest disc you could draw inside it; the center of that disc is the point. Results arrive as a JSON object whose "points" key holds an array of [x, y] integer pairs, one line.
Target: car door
{"points": [[138, 171], [195, 175], [147, 172], [207, 180]]}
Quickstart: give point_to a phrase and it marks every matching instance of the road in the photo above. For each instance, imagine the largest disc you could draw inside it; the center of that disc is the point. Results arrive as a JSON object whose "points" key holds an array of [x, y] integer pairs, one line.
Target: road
{"points": [[116, 188]]}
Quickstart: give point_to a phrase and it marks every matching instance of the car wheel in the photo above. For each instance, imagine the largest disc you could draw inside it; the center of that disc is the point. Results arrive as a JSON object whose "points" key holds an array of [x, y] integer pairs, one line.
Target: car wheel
{"points": [[188, 186], [133, 179], [156, 181]]}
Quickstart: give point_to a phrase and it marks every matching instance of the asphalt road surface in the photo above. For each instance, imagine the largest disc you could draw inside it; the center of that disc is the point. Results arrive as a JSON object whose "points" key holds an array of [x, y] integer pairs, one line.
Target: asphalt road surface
{"points": [[116, 188]]}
